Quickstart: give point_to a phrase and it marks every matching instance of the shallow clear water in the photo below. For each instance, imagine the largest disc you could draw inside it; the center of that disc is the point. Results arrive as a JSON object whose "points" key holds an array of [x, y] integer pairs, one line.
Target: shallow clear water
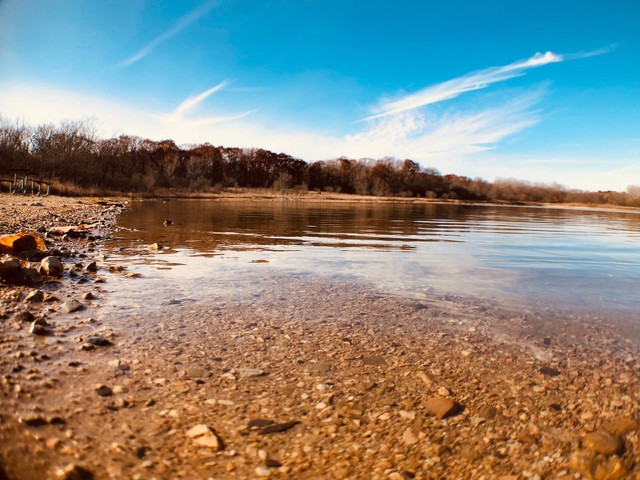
{"points": [[580, 260]]}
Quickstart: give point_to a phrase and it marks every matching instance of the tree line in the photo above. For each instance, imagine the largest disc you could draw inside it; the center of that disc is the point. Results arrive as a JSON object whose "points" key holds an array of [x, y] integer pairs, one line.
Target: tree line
{"points": [[72, 156]]}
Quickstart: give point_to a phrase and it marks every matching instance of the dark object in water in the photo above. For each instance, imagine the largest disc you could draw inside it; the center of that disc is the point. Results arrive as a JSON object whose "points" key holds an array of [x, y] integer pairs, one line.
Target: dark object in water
{"points": [[167, 223]]}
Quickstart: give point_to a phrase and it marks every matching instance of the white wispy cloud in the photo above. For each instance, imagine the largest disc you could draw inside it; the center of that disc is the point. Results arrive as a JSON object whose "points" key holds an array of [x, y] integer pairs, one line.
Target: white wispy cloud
{"points": [[180, 25], [180, 114], [44, 104], [455, 133], [466, 83], [192, 102], [478, 80], [590, 53]]}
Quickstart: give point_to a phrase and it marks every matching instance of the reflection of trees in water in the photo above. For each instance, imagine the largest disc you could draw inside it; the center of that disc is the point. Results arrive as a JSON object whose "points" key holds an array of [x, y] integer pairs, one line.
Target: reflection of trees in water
{"points": [[261, 221], [206, 225]]}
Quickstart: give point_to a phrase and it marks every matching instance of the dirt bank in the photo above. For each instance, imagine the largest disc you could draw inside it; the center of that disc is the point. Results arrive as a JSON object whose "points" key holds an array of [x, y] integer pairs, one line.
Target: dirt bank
{"points": [[309, 379], [257, 194]]}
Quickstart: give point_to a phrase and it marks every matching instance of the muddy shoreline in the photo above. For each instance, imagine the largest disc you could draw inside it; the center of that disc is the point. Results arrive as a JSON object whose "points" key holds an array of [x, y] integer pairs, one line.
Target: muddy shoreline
{"points": [[309, 379], [257, 194]]}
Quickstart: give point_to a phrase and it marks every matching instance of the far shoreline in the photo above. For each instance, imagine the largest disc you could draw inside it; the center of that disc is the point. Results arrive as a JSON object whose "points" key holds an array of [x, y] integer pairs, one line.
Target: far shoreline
{"points": [[248, 194]]}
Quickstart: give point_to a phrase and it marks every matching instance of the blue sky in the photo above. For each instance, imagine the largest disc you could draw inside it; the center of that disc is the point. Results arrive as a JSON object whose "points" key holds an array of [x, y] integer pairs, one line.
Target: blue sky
{"points": [[542, 91]]}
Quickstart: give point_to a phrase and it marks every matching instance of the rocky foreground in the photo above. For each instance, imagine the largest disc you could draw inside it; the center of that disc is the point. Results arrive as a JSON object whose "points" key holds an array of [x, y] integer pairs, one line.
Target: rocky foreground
{"points": [[310, 379]]}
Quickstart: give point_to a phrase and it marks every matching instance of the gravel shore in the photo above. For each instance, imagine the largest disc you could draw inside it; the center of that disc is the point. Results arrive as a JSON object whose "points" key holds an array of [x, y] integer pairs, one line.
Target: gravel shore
{"points": [[310, 379]]}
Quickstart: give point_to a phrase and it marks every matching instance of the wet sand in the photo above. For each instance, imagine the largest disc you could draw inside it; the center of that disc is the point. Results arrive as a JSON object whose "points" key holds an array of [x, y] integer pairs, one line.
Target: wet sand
{"points": [[309, 379]]}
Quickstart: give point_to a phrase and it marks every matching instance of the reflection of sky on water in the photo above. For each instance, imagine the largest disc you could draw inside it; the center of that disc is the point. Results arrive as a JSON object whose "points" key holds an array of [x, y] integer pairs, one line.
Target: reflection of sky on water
{"points": [[577, 259]]}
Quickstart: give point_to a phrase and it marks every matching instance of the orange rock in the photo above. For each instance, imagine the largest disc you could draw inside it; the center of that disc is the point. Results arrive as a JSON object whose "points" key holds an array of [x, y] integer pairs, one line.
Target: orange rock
{"points": [[603, 442], [442, 407], [21, 242]]}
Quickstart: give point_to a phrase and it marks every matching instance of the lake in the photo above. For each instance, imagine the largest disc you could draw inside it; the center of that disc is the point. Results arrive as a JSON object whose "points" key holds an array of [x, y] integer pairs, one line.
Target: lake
{"points": [[537, 258]]}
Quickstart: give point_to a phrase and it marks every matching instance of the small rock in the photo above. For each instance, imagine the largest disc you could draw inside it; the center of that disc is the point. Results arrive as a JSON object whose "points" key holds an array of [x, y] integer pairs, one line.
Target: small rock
{"points": [[211, 441], [196, 372], [24, 316], [374, 360], [75, 472], [33, 420], [52, 443], [118, 365], [98, 340], [104, 391], [25, 243], [424, 377], [251, 372], [442, 407], [156, 247], [92, 267], [263, 471], [197, 431], [444, 392], [56, 420], [89, 296], [71, 306], [488, 412], [409, 438], [9, 268], [321, 368], [36, 296], [39, 327], [549, 372], [277, 427], [142, 451], [258, 423], [407, 414], [29, 276], [202, 435], [52, 266], [603, 442]]}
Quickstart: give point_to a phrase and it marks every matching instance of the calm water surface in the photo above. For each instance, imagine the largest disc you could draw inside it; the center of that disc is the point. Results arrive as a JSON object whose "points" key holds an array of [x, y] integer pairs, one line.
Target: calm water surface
{"points": [[535, 257]]}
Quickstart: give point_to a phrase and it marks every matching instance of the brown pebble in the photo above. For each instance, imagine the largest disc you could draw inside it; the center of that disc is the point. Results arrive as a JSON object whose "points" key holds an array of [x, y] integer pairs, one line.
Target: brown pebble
{"points": [[24, 316], [488, 412], [374, 360], [442, 407], [603, 442], [278, 427], [259, 423], [76, 472], [549, 372], [104, 391]]}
